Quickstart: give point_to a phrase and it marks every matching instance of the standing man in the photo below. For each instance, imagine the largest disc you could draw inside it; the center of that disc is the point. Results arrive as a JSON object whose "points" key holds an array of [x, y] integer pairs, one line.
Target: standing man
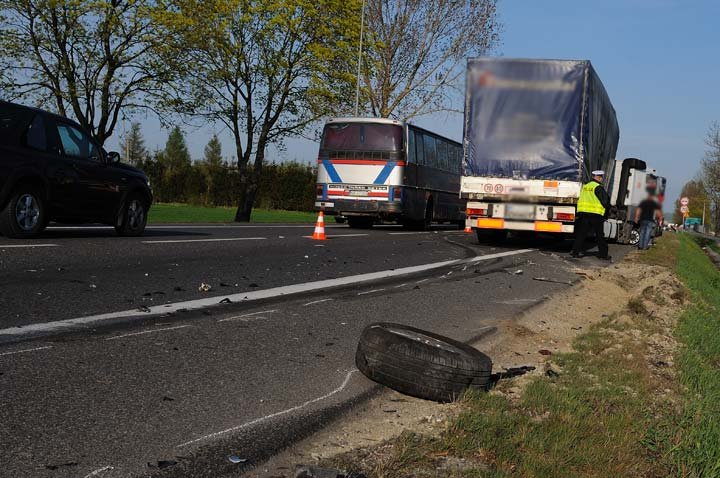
{"points": [[594, 202], [647, 212]]}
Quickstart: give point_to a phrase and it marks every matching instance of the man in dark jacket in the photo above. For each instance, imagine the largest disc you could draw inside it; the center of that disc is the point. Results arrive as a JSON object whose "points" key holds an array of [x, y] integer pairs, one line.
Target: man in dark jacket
{"points": [[592, 206]]}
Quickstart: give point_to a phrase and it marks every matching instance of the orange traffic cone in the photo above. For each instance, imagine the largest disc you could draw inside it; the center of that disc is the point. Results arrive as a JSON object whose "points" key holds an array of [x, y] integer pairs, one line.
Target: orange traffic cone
{"points": [[467, 228], [319, 233]]}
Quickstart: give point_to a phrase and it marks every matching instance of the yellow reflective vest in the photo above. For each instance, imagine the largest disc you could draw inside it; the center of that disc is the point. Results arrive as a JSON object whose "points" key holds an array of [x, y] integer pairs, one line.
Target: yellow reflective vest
{"points": [[589, 202]]}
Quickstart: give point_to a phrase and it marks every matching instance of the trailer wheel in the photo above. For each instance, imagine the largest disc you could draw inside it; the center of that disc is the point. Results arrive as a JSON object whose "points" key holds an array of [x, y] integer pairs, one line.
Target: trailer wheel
{"points": [[419, 363]]}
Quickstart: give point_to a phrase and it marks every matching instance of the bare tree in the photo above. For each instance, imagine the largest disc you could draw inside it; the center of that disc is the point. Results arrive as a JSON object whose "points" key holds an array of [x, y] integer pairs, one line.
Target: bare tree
{"points": [[266, 70], [89, 59], [415, 60], [711, 171]]}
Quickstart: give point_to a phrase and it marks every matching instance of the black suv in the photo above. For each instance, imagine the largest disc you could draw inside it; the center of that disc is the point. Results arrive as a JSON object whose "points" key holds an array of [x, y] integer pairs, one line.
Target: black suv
{"points": [[52, 170]]}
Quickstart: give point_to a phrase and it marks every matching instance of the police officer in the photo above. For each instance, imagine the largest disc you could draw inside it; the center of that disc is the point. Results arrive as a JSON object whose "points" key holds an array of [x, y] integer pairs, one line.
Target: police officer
{"points": [[591, 208]]}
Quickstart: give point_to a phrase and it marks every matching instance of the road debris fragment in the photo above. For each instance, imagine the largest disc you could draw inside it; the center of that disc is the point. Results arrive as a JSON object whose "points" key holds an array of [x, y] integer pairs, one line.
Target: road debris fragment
{"points": [[554, 281], [236, 459], [314, 472], [204, 287]]}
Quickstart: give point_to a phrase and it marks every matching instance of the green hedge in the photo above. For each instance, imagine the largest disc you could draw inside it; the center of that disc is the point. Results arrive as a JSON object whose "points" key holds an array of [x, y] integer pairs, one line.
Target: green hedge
{"points": [[289, 186]]}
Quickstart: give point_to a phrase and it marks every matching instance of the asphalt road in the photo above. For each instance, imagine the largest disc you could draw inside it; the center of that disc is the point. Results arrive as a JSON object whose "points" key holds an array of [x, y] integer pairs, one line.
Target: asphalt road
{"points": [[176, 394]]}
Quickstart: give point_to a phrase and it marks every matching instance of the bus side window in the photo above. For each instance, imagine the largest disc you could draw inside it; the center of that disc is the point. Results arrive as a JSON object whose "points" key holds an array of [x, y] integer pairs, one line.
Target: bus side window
{"points": [[419, 148], [430, 153], [411, 147], [442, 154]]}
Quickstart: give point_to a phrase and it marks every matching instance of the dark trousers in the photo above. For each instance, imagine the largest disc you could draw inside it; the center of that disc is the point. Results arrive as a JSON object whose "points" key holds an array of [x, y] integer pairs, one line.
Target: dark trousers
{"points": [[584, 223]]}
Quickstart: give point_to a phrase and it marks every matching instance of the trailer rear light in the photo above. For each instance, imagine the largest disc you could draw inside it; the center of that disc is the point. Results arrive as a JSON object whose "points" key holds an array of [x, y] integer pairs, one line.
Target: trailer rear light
{"points": [[476, 212], [564, 216], [319, 191], [397, 193]]}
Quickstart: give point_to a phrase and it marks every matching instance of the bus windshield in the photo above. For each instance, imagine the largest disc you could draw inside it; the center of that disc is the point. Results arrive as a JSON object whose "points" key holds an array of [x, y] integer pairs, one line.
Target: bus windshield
{"points": [[362, 137]]}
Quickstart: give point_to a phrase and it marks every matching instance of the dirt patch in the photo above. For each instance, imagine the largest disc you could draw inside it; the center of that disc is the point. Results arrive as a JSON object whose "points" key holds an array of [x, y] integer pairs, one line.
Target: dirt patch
{"points": [[622, 298]]}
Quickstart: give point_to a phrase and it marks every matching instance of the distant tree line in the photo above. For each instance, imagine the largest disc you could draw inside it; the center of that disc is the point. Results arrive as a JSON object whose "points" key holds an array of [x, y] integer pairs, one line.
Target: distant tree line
{"points": [[704, 191], [213, 181]]}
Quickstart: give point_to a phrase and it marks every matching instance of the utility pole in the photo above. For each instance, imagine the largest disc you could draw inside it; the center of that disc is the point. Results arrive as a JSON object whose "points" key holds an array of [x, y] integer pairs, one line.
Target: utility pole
{"points": [[357, 86]]}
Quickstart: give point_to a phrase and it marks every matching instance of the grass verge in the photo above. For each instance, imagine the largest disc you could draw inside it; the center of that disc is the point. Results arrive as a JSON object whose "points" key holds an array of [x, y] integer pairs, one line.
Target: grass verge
{"points": [[698, 453], [628, 401], [184, 213]]}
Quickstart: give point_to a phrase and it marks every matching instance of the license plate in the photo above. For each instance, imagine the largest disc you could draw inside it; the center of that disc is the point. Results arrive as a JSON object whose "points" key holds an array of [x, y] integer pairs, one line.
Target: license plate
{"points": [[519, 211], [358, 193]]}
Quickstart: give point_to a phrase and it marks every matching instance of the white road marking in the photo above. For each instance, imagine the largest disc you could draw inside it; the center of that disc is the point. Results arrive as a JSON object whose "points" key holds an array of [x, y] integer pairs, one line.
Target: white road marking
{"points": [[401, 285], [339, 235], [248, 316], [147, 332], [191, 226], [25, 350], [421, 281], [274, 415], [254, 295], [371, 291], [18, 246], [177, 241], [317, 302], [98, 471]]}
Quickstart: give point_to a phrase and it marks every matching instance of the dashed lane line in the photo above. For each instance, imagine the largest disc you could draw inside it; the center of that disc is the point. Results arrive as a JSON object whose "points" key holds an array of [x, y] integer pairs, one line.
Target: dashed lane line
{"points": [[19, 246], [147, 332], [25, 350], [221, 239]]}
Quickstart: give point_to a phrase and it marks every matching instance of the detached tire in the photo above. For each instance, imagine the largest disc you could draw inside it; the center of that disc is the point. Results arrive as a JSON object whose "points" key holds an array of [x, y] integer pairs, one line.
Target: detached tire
{"points": [[132, 217], [24, 215], [420, 363]]}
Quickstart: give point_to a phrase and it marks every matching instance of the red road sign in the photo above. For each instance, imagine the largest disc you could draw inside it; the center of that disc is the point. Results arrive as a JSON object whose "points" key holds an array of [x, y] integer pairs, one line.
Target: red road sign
{"points": [[684, 201]]}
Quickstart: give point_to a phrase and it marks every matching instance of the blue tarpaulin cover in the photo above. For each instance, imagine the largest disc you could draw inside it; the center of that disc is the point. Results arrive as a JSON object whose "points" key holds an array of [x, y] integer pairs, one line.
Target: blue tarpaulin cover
{"points": [[537, 119]]}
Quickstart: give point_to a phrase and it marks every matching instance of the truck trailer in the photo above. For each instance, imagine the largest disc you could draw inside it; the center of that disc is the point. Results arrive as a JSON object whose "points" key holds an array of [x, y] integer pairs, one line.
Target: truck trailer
{"points": [[533, 132]]}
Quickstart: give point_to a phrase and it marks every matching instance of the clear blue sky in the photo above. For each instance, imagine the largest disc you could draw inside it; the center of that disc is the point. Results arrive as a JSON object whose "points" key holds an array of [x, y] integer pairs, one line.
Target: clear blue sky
{"points": [[659, 61]]}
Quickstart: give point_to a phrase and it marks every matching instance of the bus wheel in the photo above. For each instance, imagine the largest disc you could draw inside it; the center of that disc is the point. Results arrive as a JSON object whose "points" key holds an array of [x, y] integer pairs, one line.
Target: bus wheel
{"points": [[360, 222], [491, 236]]}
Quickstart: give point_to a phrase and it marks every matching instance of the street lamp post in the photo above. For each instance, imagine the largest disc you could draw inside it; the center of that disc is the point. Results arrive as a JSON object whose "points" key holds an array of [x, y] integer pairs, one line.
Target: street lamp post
{"points": [[357, 86]]}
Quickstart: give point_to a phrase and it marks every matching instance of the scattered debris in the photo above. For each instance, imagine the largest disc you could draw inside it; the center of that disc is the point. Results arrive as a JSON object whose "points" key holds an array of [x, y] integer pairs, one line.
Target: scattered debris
{"points": [[204, 287], [545, 279], [253, 284], [585, 275], [168, 399], [162, 464], [93, 286], [544, 352], [226, 300], [61, 465], [552, 370], [178, 289], [236, 459], [313, 472], [143, 308]]}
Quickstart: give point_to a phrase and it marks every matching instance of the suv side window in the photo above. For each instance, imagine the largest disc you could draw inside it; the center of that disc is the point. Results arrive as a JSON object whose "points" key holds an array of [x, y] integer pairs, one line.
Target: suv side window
{"points": [[35, 136], [77, 144], [13, 121]]}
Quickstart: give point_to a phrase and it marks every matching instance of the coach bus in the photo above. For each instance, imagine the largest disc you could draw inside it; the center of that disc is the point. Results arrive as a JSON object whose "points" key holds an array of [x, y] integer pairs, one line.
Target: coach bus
{"points": [[374, 170]]}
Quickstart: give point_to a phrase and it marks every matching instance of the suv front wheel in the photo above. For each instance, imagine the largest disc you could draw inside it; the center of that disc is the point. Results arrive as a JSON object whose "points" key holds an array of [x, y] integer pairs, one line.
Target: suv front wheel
{"points": [[133, 216], [24, 214]]}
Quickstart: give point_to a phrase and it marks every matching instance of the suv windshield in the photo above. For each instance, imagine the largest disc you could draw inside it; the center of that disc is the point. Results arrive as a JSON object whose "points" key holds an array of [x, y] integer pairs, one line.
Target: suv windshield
{"points": [[362, 137]]}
